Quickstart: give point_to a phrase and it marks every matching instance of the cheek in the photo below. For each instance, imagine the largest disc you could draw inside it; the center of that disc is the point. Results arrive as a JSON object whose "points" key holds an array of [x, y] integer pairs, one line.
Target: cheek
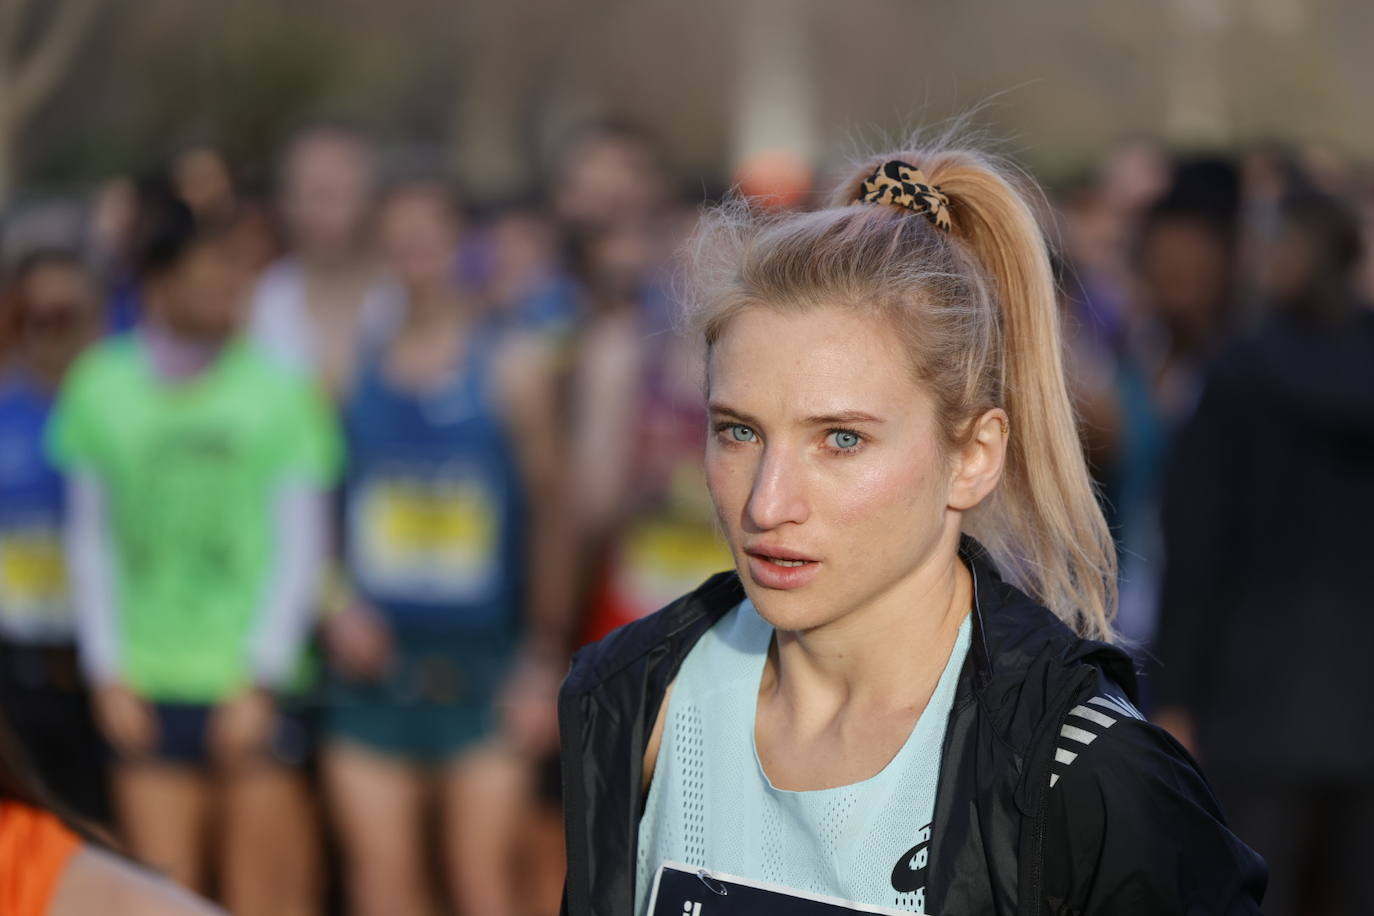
{"points": [[728, 478], [888, 504]]}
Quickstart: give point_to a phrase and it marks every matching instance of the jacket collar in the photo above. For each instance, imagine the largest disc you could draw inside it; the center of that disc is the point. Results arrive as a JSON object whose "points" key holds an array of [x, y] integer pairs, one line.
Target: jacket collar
{"points": [[1017, 641]]}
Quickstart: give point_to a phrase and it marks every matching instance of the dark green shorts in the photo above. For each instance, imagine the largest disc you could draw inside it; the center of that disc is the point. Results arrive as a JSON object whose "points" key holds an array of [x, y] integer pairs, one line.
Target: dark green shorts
{"points": [[437, 700]]}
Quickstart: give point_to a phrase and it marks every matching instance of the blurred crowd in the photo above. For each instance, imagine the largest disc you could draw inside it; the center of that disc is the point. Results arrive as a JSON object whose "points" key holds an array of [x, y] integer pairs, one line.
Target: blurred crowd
{"points": [[308, 491]]}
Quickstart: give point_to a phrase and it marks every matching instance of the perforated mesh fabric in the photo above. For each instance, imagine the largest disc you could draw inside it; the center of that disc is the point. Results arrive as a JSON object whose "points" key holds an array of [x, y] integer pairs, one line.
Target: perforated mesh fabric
{"points": [[711, 805]]}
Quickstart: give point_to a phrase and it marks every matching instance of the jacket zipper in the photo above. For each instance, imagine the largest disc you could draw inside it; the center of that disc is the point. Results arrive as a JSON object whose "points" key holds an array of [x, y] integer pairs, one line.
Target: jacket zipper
{"points": [[1030, 903]]}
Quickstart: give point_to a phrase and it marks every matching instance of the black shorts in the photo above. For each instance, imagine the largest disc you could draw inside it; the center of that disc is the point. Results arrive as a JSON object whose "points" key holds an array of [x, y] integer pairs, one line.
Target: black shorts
{"points": [[183, 733]]}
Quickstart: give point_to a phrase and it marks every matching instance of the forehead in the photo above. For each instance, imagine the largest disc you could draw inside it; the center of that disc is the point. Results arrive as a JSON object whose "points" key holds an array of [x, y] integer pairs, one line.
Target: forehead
{"points": [[816, 361], [218, 250], [326, 159], [410, 207]]}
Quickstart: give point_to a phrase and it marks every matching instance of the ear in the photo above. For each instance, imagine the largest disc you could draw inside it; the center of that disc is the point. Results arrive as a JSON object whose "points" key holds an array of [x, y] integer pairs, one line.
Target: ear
{"points": [[978, 463]]}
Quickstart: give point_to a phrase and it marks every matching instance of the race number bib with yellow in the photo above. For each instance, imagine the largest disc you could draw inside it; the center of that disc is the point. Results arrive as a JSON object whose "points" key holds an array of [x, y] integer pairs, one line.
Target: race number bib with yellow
{"points": [[680, 890], [433, 540], [33, 582], [667, 553], [662, 559]]}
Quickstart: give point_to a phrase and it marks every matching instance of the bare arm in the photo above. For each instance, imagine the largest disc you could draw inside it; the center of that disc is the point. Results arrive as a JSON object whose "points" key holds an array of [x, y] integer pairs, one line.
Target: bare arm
{"points": [[526, 384], [607, 384]]}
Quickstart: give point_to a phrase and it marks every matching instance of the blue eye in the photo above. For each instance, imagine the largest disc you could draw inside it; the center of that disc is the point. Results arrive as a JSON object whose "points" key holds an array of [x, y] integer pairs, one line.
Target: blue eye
{"points": [[844, 440], [741, 433]]}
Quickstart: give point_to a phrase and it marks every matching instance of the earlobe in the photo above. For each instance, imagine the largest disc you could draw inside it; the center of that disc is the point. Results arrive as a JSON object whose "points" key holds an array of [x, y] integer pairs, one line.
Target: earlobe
{"points": [[980, 460]]}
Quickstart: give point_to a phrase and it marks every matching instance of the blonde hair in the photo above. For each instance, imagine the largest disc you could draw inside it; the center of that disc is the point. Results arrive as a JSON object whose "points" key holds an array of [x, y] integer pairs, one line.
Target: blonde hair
{"points": [[977, 312]]}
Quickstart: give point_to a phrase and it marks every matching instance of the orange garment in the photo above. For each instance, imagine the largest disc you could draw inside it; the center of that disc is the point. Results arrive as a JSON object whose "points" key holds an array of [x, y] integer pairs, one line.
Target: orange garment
{"points": [[34, 849]]}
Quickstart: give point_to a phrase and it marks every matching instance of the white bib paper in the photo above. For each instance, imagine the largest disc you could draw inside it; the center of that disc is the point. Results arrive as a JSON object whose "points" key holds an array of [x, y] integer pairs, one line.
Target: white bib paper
{"points": [[680, 890]]}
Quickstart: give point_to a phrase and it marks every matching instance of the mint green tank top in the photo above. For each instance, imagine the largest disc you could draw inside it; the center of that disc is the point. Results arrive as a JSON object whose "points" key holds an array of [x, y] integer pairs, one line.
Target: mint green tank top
{"points": [[711, 805]]}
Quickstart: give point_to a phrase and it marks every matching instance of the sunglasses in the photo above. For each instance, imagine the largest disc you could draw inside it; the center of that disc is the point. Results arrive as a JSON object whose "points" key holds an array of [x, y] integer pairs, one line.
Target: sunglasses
{"points": [[54, 319]]}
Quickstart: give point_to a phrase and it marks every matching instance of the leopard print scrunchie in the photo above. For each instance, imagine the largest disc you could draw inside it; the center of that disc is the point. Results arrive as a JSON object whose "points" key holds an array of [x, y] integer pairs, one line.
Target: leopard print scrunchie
{"points": [[903, 185]]}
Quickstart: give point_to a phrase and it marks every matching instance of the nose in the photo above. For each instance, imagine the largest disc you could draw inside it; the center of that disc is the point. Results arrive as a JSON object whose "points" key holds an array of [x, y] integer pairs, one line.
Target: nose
{"points": [[778, 495]]}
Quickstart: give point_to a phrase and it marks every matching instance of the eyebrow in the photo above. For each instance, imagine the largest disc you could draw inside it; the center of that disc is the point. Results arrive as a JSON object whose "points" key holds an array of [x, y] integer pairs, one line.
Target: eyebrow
{"points": [[716, 407], [839, 418], [842, 418]]}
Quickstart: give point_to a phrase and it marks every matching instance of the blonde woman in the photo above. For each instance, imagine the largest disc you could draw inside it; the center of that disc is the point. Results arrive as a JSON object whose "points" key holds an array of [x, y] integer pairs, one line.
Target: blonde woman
{"points": [[905, 698]]}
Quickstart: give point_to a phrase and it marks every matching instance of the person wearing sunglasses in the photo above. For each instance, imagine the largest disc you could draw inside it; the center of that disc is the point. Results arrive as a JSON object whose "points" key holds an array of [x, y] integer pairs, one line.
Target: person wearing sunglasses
{"points": [[51, 313]]}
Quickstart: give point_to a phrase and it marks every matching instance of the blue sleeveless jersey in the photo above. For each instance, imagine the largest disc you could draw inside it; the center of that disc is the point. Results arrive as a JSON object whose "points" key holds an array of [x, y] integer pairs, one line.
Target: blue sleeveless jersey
{"points": [[34, 602], [433, 500]]}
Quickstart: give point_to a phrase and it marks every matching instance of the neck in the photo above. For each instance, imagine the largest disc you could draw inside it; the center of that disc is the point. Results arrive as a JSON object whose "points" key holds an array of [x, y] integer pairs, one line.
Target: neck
{"points": [[434, 306], [43, 375], [332, 262], [888, 653], [177, 356]]}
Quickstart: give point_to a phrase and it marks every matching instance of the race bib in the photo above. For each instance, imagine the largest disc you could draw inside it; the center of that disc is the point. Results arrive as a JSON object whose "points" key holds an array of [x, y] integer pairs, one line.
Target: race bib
{"points": [[33, 580], [662, 559], [680, 890], [425, 539]]}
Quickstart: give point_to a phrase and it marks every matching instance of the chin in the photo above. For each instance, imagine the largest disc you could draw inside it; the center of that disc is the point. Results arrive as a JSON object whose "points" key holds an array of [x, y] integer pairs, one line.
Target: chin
{"points": [[800, 610]]}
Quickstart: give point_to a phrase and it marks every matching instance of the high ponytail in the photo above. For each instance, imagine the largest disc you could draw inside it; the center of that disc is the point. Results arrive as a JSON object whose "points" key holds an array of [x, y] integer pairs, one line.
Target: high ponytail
{"points": [[977, 309], [1043, 525]]}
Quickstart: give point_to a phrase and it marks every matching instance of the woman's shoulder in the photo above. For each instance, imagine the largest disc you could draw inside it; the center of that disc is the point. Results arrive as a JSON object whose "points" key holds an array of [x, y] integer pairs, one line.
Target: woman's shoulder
{"points": [[36, 849], [667, 634], [1125, 799], [99, 881], [1101, 732], [114, 357], [46, 868]]}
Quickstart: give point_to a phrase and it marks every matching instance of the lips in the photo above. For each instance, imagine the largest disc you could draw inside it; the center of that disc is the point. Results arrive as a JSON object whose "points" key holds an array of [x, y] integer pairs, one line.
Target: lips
{"points": [[780, 568]]}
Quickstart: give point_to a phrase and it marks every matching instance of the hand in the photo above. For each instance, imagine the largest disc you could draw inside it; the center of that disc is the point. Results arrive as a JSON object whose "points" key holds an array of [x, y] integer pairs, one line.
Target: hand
{"points": [[359, 642], [529, 704], [241, 726], [1179, 722], [125, 719]]}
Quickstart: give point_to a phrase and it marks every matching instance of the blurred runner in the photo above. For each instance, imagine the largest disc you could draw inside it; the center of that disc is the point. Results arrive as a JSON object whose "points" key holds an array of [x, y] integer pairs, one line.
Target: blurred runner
{"points": [[523, 279], [1185, 297], [311, 308], [641, 488], [452, 527], [197, 472], [610, 173], [53, 313], [1265, 616], [107, 243], [646, 522]]}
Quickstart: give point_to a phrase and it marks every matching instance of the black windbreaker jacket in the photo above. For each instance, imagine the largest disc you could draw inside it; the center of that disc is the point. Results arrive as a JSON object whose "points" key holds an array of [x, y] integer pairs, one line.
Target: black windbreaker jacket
{"points": [[1028, 821]]}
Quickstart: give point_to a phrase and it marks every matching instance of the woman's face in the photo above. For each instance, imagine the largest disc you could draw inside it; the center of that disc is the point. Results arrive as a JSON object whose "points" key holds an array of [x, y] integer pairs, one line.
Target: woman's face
{"points": [[419, 239], [204, 295], [326, 195], [60, 315], [1185, 268], [824, 463]]}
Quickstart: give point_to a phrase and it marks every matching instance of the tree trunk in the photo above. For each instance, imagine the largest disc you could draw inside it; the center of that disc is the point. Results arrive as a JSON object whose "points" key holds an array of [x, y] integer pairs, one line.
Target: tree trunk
{"points": [[8, 144], [30, 76]]}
